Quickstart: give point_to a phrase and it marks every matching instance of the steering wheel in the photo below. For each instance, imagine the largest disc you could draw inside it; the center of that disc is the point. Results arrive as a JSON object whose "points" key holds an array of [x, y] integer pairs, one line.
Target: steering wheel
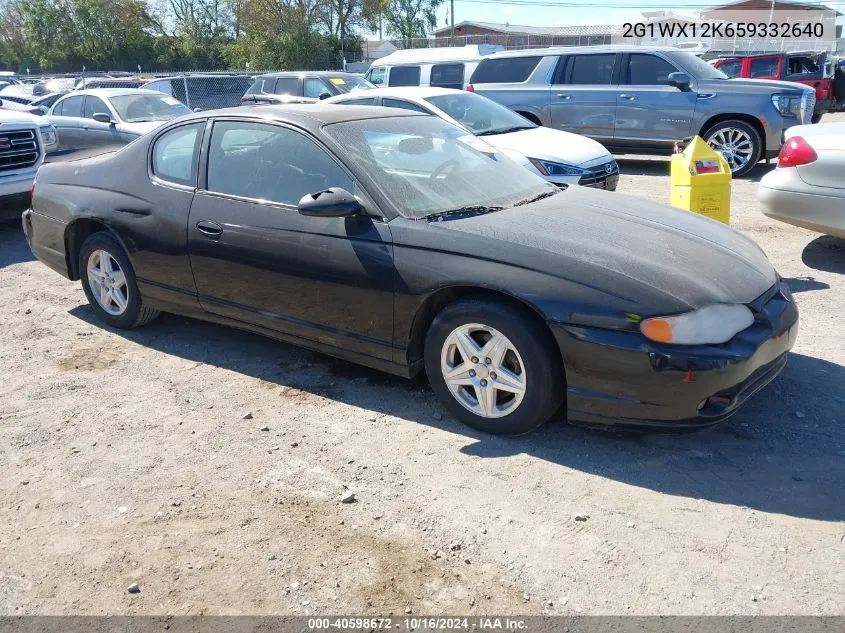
{"points": [[445, 170]]}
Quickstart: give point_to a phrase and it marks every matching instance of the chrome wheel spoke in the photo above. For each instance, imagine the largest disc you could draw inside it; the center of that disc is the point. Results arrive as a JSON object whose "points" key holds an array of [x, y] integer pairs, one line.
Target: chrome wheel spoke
{"points": [[459, 376], [118, 298], [466, 346], [486, 400], [508, 381], [118, 279], [107, 282], [495, 349]]}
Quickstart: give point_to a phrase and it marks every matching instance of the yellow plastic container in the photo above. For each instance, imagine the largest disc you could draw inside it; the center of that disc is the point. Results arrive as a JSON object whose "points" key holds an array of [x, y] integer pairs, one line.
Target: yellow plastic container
{"points": [[701, 181]]}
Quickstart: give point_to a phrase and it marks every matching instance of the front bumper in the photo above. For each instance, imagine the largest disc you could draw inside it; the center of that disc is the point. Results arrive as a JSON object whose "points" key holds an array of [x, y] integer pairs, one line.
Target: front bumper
{"points": [[621, 379]]}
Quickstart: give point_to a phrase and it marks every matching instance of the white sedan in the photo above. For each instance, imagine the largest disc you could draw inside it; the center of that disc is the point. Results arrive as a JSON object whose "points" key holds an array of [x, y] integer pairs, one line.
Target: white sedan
{"points": [[807, 188], [560, 157]]}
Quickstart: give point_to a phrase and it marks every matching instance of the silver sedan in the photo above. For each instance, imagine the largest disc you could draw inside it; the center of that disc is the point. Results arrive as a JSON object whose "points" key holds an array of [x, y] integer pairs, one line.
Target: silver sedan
{"points": [[808, 187]]}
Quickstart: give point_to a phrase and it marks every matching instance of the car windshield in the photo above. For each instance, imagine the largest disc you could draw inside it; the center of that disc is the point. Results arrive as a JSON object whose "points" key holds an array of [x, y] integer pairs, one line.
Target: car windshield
{"points": [[137, 108], [426, 166], [697, 67], [349, 83], [480, 115]]}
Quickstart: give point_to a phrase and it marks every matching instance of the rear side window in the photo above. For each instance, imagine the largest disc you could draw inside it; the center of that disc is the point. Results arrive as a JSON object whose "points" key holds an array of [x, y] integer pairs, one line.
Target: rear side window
{"points": [[591, 69], [175, 154], [764, 67], [505, 70], [284, 86], [732, 68], [405, 76], [648, 70], [72, 106], [447, 76], [404, 105], [362, 101]]}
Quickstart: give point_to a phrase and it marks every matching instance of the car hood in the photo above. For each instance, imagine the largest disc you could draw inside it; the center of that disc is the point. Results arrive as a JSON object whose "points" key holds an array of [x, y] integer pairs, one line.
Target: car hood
{"points": [[762, 86], [548, 144], [655, 258], [14, 117], [141, 127]]}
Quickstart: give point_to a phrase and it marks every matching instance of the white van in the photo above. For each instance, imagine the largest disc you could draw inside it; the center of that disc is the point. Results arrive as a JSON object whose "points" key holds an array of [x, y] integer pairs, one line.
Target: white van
{"points": [[442, 67]]}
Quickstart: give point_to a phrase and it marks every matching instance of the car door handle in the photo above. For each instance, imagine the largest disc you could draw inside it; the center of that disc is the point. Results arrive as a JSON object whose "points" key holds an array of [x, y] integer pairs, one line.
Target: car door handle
{"points": [[209, 228], [564, 96], [628, 97]]}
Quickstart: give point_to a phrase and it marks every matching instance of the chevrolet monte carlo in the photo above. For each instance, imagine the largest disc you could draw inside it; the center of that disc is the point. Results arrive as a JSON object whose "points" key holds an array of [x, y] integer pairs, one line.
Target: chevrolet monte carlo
{"points": [[399, 241]]}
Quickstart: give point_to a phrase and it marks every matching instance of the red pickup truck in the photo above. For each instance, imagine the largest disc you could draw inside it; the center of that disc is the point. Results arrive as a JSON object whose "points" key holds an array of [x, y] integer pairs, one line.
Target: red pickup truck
{"points": [[812, 69]]}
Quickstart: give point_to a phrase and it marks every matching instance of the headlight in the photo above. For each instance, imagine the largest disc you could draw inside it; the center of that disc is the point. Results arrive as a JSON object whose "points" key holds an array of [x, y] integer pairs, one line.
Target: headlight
{"points": [[788, 105], [548, 168], [49, 137], [709, 325]]}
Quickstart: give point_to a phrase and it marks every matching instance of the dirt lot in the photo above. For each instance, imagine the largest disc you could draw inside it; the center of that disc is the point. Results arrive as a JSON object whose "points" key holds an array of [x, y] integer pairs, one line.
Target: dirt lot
{"points": [[126, 458]]}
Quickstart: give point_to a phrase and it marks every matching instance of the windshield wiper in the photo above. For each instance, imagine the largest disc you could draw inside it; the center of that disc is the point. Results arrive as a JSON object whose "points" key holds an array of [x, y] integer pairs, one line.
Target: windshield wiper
{"points": [[539, 196], [477, 209], [506, 130]]}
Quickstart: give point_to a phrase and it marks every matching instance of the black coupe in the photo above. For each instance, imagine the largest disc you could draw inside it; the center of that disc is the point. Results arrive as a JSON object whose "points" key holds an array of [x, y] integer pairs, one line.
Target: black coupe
{"points": [[398, 241]]}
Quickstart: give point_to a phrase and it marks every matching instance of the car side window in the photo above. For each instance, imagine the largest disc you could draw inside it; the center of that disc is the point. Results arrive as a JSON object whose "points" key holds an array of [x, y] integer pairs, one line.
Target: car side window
{"points": [[161, 86], [361, 101], [732, 68], [376, 76], [648, 70], [175, 154], [404, 76], [315, 88], [72, 106], [269, 162], [592, 69], [447, 76], [285, 86], [57, 109], [764, 67], [405, 105], [94, 105]]}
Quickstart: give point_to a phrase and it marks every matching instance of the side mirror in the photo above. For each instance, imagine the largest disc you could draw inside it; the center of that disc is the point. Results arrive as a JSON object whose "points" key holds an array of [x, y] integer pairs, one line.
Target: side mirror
{"points": [[102, 117], [197, 109], [331, 203], [681, 81], [324, 95]]}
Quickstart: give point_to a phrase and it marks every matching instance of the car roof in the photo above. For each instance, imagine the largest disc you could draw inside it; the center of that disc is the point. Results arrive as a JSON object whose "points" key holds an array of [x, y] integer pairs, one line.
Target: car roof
{"points": [[571, 50], [406, 92], [201, 76], [308, 116], [113, 92], [309, 73]]}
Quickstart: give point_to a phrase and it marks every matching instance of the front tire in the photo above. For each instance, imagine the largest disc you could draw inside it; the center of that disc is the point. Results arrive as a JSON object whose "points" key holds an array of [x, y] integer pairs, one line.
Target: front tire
{"points": [[108, 280], [739, 142], [493, 366]]}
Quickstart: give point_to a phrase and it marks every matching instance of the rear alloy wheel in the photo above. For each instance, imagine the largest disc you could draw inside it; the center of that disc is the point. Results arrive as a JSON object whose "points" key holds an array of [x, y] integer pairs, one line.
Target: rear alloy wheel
{"points": [[493, 367], [109, 283], [738, 142]]}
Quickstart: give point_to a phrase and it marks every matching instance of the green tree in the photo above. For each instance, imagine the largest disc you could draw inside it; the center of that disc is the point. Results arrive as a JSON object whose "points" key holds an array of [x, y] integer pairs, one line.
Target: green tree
{"points": [[405, 19]]}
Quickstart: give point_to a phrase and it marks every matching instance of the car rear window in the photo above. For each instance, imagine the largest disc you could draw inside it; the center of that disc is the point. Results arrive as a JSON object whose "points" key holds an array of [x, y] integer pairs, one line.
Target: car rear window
{"points": [[447, 76], [505, 70], [404, 76]]}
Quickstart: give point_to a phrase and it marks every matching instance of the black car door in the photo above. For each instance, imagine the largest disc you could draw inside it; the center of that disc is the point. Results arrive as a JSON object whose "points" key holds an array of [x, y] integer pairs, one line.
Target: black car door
{"points": [[256, 259]]}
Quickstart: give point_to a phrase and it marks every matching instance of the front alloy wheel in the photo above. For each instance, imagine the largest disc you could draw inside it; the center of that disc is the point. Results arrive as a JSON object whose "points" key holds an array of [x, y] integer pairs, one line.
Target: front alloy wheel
{"points": [[738, 142], [494, 365], [483, 370]]}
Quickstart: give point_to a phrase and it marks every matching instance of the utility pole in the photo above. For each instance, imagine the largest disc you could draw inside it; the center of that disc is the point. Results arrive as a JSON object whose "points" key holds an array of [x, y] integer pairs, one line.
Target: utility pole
{"points": [[452, 21]]}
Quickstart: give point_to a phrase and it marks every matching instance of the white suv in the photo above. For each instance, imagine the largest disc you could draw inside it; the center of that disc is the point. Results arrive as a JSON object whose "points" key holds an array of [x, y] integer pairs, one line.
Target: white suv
{"points": [[24, 141]]}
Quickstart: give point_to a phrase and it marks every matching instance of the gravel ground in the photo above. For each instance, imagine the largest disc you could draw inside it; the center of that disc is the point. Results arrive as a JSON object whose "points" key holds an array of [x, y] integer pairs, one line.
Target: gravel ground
{"points": [[207, 466]]}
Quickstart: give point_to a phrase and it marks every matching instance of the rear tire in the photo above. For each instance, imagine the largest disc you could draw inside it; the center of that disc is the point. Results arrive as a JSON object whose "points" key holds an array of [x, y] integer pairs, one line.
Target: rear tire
{"points": [[817, 116], [739, 142], [494, 366], [108, 280]]}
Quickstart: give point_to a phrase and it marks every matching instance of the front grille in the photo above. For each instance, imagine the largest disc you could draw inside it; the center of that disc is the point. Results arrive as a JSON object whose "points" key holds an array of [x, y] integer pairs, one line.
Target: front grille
{"points": [[604, 176], [18, 149]]}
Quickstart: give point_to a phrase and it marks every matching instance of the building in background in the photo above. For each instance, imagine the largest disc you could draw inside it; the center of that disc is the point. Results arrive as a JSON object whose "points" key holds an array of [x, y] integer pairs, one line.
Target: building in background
{"points": [[515, 36]]}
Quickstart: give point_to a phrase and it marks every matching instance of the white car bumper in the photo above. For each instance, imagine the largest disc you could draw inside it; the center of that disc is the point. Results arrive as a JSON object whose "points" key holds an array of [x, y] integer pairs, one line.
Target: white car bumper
{"points": [[785, 197]]}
